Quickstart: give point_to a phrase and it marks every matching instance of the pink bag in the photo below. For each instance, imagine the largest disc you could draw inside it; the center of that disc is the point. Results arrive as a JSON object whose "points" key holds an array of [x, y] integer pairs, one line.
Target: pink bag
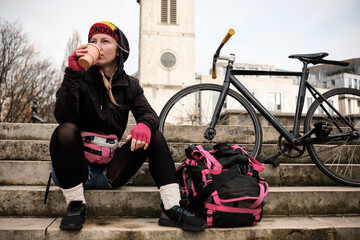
{"points": [[99, 148], [222, 184]]}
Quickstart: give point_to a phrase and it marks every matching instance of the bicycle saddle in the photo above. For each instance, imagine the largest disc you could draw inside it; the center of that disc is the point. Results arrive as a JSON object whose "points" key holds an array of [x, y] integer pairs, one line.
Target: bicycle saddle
{"points": [[316, 58], [311, 56]]}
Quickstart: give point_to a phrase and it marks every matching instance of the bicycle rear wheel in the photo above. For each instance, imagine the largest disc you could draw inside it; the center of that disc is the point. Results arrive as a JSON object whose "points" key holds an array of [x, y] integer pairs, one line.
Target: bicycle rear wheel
{"points": [[191, 109], [338, 158]]}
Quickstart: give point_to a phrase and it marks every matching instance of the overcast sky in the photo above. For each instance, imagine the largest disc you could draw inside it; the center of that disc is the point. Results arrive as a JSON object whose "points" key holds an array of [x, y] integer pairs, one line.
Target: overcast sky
{"points": [[266, 31]]}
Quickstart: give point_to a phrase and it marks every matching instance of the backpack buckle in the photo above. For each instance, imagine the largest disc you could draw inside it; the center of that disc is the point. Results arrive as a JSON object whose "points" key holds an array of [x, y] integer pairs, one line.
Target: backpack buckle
{"points": [[209, 213], [209, 178], [88, 138], [238, 168], [111, 141]]}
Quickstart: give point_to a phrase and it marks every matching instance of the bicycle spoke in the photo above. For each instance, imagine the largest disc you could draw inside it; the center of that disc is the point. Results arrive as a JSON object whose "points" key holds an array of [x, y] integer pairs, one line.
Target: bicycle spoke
{"points": [[337, 157], [192, 109]]}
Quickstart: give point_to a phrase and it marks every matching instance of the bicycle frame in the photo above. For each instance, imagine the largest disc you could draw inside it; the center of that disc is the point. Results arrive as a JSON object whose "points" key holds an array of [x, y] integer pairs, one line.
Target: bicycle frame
{"points": [[294, 137], [334, 151]]}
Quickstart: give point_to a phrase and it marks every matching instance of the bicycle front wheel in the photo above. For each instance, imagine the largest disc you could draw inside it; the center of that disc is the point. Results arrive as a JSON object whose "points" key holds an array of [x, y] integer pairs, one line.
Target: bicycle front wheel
{"points": [[187, 115], [338, 157]]}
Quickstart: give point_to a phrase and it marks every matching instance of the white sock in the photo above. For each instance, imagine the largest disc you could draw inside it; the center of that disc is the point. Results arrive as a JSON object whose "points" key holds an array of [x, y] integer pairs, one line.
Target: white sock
{"points": [[170, 195], [74, 194]]}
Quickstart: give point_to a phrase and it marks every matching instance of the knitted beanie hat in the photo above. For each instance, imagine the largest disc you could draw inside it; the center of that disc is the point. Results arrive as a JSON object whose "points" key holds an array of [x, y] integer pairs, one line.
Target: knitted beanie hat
{"points": [[111, 30], [104, 28]]}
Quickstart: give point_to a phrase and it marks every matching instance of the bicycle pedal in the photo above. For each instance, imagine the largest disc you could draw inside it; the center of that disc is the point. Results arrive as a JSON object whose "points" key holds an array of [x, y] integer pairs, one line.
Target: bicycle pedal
{"points": [[322, 129], [273, 161]]}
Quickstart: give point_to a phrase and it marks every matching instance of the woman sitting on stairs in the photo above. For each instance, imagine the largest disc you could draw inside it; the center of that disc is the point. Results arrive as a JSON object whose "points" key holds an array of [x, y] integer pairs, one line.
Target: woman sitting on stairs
{"points": [[92, 109]]}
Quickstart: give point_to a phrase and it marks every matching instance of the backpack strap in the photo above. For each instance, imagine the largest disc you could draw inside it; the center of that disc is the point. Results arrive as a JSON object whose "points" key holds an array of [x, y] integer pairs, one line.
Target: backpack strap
{"points": [[210, 159], [252, 161], [262, 194], [222, 149], [213, 207], [47, 188], [220, 180]]}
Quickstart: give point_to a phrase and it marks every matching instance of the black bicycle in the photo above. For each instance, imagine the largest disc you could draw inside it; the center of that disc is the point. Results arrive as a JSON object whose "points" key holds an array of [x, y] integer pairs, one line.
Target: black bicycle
{"points": [[208, 113]]}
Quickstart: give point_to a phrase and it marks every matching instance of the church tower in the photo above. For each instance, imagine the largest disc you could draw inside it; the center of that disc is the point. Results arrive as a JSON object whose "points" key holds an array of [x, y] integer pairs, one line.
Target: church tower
{"points": [[167, 48]]}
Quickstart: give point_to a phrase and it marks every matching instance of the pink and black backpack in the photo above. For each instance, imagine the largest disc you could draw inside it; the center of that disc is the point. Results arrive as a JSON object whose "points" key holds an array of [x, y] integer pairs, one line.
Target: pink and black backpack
{"points": [[223, 185]]}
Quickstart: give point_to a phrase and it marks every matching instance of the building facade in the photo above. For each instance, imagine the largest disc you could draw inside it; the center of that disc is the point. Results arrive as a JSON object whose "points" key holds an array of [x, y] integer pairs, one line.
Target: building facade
{"points": [[167, 62], [277, 93], [166, 48], [331, 76], [337, 76]]}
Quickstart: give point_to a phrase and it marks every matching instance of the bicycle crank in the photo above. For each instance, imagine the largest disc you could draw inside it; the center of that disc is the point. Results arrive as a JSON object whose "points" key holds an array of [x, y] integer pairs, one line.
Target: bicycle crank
{"points": [[289, 151]]}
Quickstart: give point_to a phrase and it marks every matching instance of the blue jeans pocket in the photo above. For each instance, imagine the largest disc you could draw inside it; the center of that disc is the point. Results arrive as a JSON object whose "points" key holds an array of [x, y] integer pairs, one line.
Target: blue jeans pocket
{"points": [[96, 178]]}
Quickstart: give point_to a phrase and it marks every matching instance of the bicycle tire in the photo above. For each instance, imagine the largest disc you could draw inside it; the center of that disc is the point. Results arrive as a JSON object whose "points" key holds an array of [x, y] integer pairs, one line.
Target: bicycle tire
{"points": [[193, 117], [339, 159]]}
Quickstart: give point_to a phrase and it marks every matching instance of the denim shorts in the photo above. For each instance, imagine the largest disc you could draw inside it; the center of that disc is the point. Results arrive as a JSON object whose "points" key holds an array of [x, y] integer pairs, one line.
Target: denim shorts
{"points": [[96, 178]]}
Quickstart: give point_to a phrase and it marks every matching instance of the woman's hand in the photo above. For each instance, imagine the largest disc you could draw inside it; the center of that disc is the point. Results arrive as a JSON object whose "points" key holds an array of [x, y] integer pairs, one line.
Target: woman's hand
{"points": [[140, 136], [73, 58]]}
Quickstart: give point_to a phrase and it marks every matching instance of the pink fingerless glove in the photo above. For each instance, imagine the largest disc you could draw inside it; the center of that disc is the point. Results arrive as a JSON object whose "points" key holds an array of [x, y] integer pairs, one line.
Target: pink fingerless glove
{"points": [[141, 132], [73, 63]]}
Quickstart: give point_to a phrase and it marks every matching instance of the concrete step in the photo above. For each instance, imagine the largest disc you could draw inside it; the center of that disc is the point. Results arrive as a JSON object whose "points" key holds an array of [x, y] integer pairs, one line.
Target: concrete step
{"points": [[131, 212], [131, 201], [37, 173], [44, 132], [26, 131], [270, 228], [39, 150], [31, 141]]}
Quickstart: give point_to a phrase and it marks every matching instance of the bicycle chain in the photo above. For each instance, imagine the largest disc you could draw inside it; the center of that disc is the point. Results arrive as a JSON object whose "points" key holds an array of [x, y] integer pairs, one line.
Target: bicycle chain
{"points": [[302, 156]]}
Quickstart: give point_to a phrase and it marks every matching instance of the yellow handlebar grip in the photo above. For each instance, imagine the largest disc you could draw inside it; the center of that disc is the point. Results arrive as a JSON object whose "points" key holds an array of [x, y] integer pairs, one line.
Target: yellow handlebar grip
{"points": [[228, 35], [213, 74]]}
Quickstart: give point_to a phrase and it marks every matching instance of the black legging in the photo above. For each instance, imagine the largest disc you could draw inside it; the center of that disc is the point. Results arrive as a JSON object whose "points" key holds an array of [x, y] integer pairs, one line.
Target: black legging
{"points": [[71, 167]]}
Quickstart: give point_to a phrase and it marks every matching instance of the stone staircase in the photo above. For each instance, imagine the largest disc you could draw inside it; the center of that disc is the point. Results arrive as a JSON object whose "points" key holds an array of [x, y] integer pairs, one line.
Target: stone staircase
{"points": [[302, 202]]}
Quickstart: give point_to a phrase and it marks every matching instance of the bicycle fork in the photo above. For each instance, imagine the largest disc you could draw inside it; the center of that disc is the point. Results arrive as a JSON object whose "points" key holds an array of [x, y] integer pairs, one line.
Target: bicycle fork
{"points": [[210, 132]]}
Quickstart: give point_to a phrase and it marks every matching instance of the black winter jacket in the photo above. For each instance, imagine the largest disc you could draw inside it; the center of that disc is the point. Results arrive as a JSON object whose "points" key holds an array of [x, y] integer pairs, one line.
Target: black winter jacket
{"points": [[83, 100]]}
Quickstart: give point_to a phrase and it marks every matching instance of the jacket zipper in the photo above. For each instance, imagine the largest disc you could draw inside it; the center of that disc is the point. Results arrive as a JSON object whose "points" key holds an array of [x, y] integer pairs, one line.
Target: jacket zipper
{"points": [[101, 97]]}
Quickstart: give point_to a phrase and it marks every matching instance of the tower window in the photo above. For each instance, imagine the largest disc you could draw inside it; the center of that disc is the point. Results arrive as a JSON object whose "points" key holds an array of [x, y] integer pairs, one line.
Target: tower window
{"points": [[168, 11], [168, 60]]}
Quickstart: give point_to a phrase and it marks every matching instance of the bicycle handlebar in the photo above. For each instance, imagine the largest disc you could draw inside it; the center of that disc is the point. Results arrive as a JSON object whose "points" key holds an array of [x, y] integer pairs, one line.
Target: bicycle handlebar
{"points": [[228, 35], [216, 55]]}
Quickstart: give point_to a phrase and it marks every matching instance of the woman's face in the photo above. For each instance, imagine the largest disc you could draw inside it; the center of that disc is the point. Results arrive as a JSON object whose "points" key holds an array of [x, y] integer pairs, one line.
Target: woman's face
{"points": [[108, 49]]}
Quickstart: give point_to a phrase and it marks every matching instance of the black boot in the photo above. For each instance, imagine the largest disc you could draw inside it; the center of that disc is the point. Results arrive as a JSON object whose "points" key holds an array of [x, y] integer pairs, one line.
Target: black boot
{"points": [[181, 218], [75, 216]]}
